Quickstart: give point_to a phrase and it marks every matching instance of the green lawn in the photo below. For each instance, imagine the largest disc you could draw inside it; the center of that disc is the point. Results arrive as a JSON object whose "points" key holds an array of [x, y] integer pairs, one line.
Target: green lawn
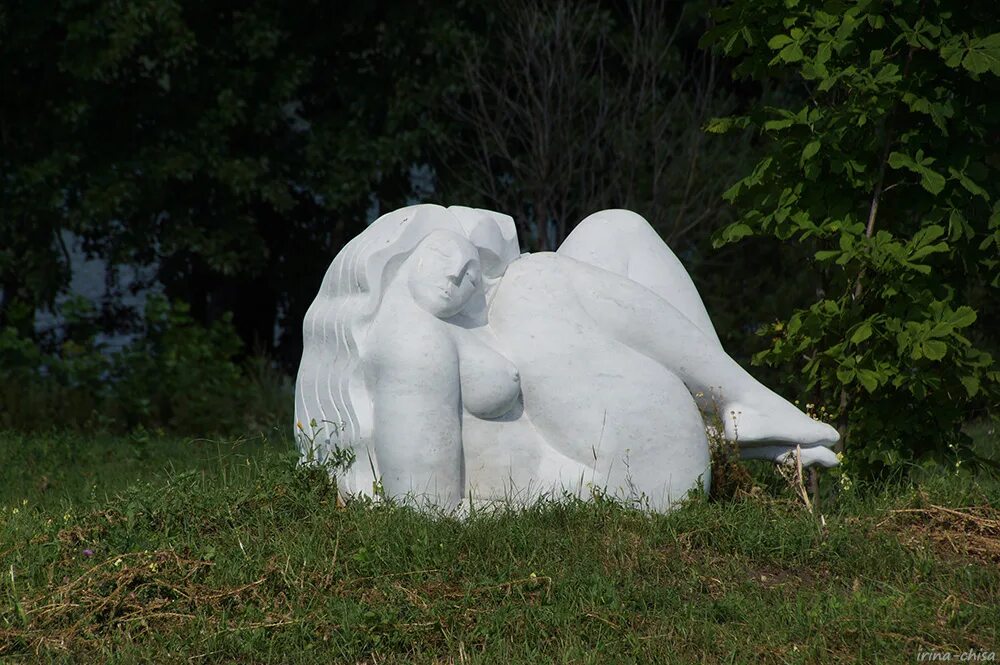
{"points": [[156, 549]]}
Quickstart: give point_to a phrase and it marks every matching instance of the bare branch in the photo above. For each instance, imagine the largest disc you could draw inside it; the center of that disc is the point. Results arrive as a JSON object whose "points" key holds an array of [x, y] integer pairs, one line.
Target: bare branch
{"points": [[571, 109]]}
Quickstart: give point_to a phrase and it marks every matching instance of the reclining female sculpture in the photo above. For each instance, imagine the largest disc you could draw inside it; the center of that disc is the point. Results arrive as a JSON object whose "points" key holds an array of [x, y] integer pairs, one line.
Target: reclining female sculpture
{"points": [[455, 368]]}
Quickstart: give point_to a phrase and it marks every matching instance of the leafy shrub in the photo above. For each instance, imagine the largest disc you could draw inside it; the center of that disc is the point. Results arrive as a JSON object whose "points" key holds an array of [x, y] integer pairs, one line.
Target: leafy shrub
{"points": [[179, 376], [885, 166]]}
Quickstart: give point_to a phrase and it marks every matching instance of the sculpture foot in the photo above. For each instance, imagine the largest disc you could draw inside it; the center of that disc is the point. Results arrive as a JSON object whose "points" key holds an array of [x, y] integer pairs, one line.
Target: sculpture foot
{"points": [[780, 422], [816, 455]]}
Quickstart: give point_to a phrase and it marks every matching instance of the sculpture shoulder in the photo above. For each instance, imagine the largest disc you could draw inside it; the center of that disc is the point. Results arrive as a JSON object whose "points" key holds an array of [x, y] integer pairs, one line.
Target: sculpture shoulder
{"points": [[538, 264], [549, 270], [404, 337]]}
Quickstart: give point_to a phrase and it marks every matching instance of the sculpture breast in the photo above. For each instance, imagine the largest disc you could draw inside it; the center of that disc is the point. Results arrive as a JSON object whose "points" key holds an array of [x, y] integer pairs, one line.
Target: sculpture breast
{"points": [[491, 384]]}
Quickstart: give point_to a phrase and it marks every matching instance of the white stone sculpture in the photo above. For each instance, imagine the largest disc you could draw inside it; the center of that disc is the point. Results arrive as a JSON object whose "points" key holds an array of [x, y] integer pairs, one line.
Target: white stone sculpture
{"points": [[456, 369]]}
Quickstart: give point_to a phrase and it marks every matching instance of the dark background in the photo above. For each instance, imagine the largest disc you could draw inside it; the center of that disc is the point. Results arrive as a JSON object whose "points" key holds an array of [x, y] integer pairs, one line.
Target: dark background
{"points": [[228, 150]]}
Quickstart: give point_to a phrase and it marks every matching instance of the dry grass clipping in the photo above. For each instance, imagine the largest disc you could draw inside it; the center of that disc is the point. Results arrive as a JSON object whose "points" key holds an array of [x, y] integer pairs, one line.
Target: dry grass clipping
{"points": [[127, 593], [972, 532]]}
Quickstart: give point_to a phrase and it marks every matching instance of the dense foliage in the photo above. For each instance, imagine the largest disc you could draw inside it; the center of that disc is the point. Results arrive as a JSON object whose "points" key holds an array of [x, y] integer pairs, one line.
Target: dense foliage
{"points": [[235, 146], [177, 375], [882, 158], [235, 149]]}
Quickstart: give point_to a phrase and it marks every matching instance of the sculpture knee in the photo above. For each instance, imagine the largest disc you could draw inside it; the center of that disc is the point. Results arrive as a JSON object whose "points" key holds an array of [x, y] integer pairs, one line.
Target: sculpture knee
{"points": [[612, 240], [618, 220]]}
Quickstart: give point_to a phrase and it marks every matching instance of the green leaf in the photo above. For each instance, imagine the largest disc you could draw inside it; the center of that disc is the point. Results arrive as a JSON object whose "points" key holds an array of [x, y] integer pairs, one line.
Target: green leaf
{"points": [[809, 151], [963, 317], [971, 384], [898, 160], [778, 124], [888, 74], [734, 191], [868, 379], [927, 235], [719, 125], [934, 349], [927, 250], [923, 245], [969, 185], [845, 374], [735, 232], [823, 53], [847, 26], [863, 332], [952, 51], [957, 224], [938, 112], [983, 55], [824, 21], [791, 53], [778, 41], [931, 180]]}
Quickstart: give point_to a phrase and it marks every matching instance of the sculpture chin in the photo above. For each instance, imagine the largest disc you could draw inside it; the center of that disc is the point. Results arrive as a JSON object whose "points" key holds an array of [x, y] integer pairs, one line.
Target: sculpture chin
{"points": [[437, 301]]}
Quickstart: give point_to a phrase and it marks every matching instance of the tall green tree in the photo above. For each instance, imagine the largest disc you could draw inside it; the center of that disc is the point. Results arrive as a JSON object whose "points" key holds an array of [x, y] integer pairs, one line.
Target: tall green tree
{"points": [[236, 145], [882, 159]]}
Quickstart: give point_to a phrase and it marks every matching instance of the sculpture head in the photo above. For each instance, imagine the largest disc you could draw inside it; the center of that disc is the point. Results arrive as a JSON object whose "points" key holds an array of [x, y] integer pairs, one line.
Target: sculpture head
{"points": [[444, 273]]}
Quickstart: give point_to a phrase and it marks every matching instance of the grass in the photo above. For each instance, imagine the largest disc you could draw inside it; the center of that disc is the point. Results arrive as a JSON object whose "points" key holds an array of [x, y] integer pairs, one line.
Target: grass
{"points": [[150, 549]]}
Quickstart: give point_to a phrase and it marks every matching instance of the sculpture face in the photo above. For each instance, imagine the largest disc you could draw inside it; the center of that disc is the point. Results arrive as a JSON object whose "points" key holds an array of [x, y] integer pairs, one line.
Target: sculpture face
{"points": [[444, 274]]}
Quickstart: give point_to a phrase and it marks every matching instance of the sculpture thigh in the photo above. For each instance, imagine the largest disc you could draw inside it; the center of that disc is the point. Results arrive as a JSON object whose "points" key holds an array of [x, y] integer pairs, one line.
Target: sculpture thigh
{"points": [[622, 242], [609, 418]]}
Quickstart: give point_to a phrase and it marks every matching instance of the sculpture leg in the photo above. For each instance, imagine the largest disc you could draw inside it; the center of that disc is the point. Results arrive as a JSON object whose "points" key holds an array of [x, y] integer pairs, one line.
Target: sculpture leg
{"points": [[660, 455], [817, 455], [624, 243], [632, 315]]}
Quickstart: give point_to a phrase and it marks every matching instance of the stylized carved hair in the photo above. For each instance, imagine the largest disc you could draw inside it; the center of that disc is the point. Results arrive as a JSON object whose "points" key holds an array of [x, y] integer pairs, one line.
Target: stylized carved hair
{"points": [[332, 403]]}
